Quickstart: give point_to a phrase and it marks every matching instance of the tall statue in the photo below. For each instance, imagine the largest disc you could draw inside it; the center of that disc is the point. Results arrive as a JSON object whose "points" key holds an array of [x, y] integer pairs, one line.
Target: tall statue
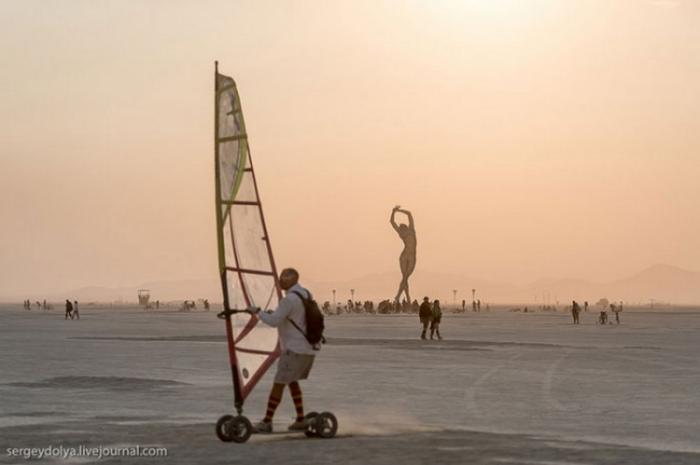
{"points": [[407, 259]]}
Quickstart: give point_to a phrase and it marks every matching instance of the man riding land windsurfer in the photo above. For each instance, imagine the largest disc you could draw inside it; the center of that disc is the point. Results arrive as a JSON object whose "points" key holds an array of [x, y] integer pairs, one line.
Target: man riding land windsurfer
{"points": [[297, 354]]}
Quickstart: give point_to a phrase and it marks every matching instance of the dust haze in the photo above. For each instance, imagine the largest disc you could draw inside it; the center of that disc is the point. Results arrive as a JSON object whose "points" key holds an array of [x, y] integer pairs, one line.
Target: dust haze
{"points": [[532, 141]]}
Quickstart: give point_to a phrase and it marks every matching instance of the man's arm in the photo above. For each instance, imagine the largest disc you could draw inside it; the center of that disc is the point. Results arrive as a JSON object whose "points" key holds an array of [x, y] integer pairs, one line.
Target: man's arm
{"points": [[279, 315]]}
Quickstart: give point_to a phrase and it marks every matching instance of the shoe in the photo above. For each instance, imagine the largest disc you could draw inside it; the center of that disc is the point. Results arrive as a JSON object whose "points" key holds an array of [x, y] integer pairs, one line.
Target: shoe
{"points": [[298, 425], [262, 427]]}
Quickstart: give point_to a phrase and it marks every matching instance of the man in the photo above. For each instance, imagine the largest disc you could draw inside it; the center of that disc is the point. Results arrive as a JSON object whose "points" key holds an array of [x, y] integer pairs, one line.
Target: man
{"points": [[69, 310], [575, 310], [437, 317], [76, 313], [425, 314], [297, 353], [617, 311]]}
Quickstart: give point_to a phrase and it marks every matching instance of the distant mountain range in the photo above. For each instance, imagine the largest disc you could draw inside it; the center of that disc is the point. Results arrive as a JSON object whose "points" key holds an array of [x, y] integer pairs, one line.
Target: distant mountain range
{"points": [[659, 282], [663, 283]]}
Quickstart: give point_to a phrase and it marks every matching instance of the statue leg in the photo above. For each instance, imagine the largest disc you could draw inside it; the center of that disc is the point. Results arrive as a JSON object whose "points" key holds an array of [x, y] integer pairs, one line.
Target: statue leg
{"points": [[403, 288], [404, 263]]}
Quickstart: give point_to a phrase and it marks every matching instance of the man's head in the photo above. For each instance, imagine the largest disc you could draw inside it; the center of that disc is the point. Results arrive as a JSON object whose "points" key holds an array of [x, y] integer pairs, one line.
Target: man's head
{"points": [[426, 299], [288, 278]]}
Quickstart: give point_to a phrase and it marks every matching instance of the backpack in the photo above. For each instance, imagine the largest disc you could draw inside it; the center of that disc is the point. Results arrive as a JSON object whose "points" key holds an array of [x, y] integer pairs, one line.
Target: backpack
{"points": [[314, 321]]}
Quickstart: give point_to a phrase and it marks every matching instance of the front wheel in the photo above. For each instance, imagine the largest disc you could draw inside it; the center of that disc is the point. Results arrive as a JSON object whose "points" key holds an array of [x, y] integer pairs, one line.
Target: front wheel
{"points": [[222, 428], [239, 429], [326, 425]]}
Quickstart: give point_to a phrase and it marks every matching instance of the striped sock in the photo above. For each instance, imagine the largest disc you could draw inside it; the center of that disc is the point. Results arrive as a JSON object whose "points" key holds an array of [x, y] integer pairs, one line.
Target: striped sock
{"points": [[298, 400], [272, 404]]}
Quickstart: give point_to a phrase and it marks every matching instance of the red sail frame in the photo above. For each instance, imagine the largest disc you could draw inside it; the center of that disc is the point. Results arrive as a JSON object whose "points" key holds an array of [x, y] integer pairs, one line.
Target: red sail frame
{"points": [[241, 390]]}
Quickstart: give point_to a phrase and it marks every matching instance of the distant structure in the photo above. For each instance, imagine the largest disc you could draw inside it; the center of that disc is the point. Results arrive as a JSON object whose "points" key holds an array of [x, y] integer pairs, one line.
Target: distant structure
{"points": [[144, 297], [407, 260]]}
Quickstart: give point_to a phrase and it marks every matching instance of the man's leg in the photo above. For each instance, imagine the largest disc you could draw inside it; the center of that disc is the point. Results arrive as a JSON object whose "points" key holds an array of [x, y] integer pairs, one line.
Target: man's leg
{"points": [[273, 401], [295, 390]]}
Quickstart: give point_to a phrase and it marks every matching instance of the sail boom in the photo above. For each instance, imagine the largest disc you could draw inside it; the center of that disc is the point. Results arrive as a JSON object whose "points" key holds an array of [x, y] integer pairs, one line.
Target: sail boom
{"points": [[247, 271], [240, 202]]}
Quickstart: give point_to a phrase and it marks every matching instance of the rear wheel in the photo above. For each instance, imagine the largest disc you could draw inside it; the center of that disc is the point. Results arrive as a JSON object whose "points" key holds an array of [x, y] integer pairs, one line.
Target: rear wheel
{"points": [[326, 425], [222, 428], [310, 419]]}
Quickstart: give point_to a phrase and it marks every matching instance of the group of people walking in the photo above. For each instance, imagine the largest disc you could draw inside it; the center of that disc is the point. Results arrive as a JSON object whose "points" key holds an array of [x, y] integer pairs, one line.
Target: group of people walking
{"points": [[430, 315], [44, 305], [602, 318]]}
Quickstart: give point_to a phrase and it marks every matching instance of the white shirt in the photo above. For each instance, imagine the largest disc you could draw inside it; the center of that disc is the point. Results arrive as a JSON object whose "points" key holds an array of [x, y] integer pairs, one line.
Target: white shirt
{"points": [[292, 307]]}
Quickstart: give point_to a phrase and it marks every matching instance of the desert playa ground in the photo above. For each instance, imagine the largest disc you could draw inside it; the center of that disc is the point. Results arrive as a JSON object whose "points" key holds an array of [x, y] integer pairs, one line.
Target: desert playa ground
{"points": [[502, 388]]}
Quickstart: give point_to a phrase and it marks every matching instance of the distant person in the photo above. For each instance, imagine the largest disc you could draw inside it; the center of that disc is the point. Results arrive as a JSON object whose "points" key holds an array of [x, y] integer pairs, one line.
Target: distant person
{"points": [[69, 310], [616, 311], [473, 305], [297, 354], [464, 305], [585, 306], [76, 313], [407, 259], [575, 311], [425, 314], [478, 305], [157, 304], [206, 304], [603, 318], [613, 309], [435, 322]]}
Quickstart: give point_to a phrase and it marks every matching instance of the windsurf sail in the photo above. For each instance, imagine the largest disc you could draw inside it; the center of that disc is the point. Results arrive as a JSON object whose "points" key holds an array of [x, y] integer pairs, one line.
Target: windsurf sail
{"points": [[246, 264]]}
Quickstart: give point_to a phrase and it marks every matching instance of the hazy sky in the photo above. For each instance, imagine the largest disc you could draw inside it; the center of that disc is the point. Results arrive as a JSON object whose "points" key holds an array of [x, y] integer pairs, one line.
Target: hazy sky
{"points": [[530, 138]]}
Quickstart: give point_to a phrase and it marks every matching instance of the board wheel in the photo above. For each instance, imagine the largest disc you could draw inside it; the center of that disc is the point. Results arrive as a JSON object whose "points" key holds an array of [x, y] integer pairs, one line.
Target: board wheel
{"points": [[310, 419], [222, 429], [238, 429], [326, 425]]}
